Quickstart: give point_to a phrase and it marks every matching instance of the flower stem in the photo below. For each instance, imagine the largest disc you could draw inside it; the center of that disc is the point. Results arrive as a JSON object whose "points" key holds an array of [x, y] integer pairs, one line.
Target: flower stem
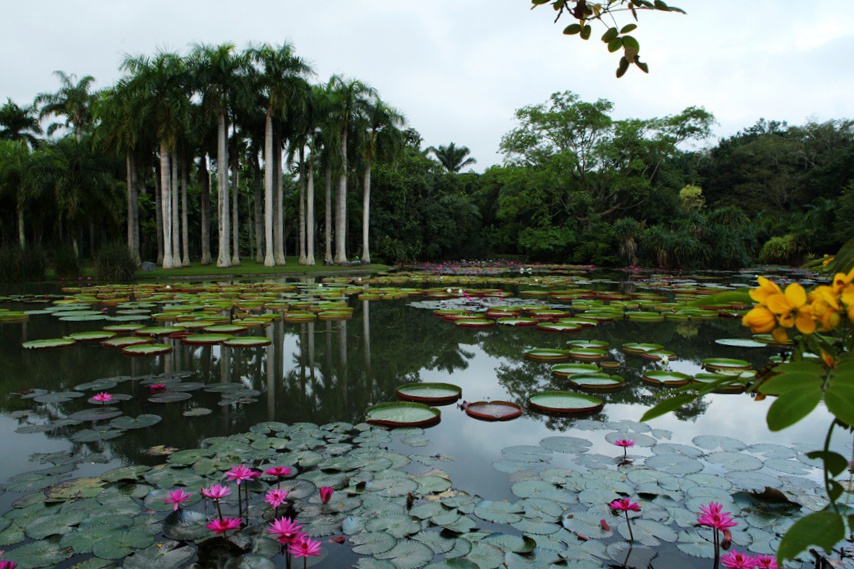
{"points": [[717, 549], [218, 510], [629, 523]]}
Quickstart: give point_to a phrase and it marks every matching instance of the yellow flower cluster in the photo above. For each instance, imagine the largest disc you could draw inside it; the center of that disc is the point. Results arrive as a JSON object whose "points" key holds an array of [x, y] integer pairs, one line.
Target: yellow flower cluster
{"points": [[822, 308]]}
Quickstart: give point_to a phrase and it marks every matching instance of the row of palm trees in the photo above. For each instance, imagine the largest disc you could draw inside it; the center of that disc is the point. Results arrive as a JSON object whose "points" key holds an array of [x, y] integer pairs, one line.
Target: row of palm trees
{"points": [[230, 111]]}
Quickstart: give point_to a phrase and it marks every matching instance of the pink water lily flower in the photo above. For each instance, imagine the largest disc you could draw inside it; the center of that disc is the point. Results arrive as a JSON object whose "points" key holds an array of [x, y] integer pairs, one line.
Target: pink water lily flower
{"points": [[223, 525], [285, 530], [624, 443], [278, 471], [737, 560], [157, 386], [216, 492], [304, 547], [275, 497], [624, 505], [240, 473], [713, 516], [765, 562], [6, 564], [177, 497], [326, 494], [102, 397]]}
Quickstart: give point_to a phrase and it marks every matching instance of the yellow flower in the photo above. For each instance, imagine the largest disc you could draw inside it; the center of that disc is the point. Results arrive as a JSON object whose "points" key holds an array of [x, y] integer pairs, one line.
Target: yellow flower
{"points": [[792, 309], [780, 336], [840, 280], [760, 320], [828, 359], [766, 289]]}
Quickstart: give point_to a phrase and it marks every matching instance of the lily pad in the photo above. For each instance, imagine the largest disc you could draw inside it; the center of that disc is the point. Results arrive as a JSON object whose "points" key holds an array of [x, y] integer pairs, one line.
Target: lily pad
{"points": [[147, 349], [493, 410], [206, 339], [714, 364], [563, 370], [48, 344], [433, 393], [741, 343], [564, 402], [139, 422], [403, 414], [666, 378], [547, 354], [247, 342], [170, 397]]}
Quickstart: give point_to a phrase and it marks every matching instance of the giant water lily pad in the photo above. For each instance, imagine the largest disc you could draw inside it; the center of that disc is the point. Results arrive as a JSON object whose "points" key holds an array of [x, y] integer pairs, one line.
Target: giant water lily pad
{"points": [[563, 370], [547, 354], [433, 393], [403, 414], [741, 343], [666, 378], [564, 402], [147, 349], [206, 339], [637, 349], [493, 410], [715, 364], [596, 381], [247, 342], [123, 341], [48, 343]]}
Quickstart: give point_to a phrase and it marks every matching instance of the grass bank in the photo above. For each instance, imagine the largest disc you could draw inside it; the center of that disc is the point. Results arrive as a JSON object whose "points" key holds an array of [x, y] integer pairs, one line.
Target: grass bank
{"points": [[250, 268]]}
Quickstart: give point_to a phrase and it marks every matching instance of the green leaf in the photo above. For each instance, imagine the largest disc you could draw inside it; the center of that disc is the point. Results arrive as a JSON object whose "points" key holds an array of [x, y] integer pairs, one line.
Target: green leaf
{"points": [[669, 404], [631, 43], [610, 35], [615, 44], [834, 462], [572, 29], [623, 67], [659, 5], [824, 529], [840, 401], [585, 32], [834, 490], [629, 28], [844, 259], [539, 2], [643, 66], [793, 377], [792, 406]]}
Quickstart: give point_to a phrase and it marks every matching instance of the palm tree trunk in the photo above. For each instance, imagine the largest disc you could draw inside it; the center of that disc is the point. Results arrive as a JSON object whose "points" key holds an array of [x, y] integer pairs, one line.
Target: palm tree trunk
{"points": [[185, 227], [258, 188], [309, 213], [205, 206], [176, 217], [279, 226], [133, 211], [366, 214], [158, 214], [129, 182], [166, 206], [22, 242], [235, 218], [269, 177], [223, 258], [341, 205], [302, 257], [327, 255]]}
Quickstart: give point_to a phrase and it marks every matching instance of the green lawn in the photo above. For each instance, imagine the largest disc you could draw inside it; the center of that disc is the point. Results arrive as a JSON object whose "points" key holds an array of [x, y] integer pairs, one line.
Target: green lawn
{"points": [[249, 268]]}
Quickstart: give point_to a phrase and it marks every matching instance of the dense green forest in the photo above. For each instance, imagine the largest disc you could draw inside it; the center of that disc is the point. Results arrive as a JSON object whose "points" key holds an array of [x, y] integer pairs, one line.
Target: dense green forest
{"points": [[220, 155]]}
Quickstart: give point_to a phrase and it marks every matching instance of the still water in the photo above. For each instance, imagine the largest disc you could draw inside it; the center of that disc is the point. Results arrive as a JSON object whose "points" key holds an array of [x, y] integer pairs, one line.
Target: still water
{"points": [[332, 371]]}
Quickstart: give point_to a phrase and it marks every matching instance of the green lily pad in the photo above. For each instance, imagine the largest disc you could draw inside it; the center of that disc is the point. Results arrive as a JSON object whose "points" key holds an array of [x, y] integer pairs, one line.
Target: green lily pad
{"points": [[123, 341], [564, 402], [715, 364], [96, 414], [48, 344], [160, 555], [170, 397], [666, 378], [493, 410], [565, 444], [147, 349], [741, 343], [225, 329], [597, 381], [636, 349], [58, 397], [97, 385], [206, 339], [563, 370], [247, 342], [433, 393], [403, 414], [139, 422], [371, 543], [91, 336], [547, 354], [120, 544], [42, 553]]}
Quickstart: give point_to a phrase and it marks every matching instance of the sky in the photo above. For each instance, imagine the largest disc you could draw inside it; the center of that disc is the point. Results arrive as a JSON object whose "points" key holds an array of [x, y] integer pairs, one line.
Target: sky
{"points": [[459, 69]]}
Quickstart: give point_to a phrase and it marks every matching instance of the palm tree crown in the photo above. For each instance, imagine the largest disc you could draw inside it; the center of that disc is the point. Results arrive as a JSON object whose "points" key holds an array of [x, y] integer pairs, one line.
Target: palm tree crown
{"points": [[454, 158]]}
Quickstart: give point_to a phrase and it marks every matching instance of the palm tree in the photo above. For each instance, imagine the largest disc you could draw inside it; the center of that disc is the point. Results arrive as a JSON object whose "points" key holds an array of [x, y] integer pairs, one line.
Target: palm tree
{"points": [[72, 100], [454, 158], [349, 99], [19, 124], [163, 99], [215, 69], [380, 138], [281, 77]]}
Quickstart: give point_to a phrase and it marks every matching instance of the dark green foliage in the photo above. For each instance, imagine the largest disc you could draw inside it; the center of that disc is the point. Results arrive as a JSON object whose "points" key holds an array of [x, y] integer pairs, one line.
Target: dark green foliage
{"points": [[65, 262], [21, 265], [783, 250], [114, 262]]}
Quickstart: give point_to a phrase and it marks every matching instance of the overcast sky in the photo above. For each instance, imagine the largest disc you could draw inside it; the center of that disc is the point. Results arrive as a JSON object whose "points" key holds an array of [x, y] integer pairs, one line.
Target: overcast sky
{"points": [[458, 69]]}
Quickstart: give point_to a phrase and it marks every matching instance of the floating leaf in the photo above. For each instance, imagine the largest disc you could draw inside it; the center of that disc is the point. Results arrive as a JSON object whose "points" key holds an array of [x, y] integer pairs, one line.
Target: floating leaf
{"points": [[498, 512], [160, 555], [371, 543], [43, 553], [139, 422]]}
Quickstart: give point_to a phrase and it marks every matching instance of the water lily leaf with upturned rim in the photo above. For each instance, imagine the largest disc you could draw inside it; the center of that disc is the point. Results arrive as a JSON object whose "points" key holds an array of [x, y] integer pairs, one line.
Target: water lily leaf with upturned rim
{"points": [[403, 414], [48, 343], [564, 402]]}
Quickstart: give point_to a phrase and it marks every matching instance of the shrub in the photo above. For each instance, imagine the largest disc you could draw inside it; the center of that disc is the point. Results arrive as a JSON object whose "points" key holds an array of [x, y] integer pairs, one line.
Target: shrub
{"points": [[21, 265], [114, 263], [65, 262], [785, 250]]}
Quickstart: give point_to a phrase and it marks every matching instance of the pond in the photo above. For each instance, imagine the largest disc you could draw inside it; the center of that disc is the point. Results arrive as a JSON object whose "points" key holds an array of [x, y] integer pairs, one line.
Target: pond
{"points": [[527, 492]]}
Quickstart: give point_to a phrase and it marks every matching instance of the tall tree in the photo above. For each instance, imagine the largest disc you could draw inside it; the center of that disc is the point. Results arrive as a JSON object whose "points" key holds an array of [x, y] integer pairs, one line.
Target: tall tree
{"points": [[73, 101], [281, 78], [19, 124], [452, 157], [349, 99]]}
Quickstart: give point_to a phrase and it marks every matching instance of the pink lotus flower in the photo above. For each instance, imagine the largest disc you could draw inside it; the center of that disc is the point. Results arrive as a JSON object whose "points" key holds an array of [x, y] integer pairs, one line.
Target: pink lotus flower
{"points": [[765, 562], [304, 547], [157, 386], [216, 492], [223, 525], [713, 516], [275, 497], [240, 473], [736, 560], [4, 564], [102, 397], [278, 471], [624, 505], [326, 494], [624, 443], [285, 530], [177, 497]]}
